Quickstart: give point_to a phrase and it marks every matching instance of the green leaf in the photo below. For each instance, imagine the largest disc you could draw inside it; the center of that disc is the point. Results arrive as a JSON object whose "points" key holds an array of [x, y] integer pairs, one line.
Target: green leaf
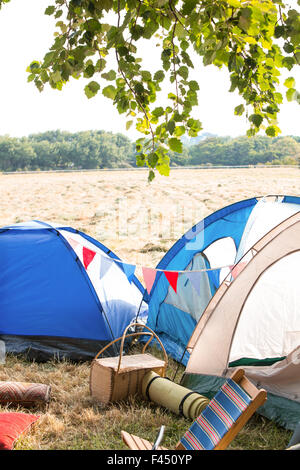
{"points": [[34, 66], [175, 145], [279, 31], [183, 72], [289, 82], [128, 125], [151, 176], [50, 10], [239, 110], [278, 98], [193, 85], [171, 126], [272, 131], [56, 76], [234, 3], [89, 71], [288, 62], [245, 19], [157, 112], [179, 131], [140, 159], [152, 159], [111, 75], [159, 76], [290, 94], [146, 75], [110, 92], [91, 89], [163, 169], [288, 48], [257, 119]]}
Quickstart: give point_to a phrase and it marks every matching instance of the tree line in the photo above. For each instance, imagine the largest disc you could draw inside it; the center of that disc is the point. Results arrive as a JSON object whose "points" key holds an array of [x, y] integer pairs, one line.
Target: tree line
{"points": [[61, 150]]}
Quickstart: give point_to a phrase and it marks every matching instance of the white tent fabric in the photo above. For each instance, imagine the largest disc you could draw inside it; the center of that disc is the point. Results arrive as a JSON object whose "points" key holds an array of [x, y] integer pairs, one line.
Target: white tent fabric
{"points": [[221, 253], [269, 324], [256, 316], [113, 289], [265, 216]]}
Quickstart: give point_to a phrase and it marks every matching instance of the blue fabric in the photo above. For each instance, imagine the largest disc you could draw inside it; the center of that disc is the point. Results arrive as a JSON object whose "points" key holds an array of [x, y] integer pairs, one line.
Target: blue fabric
{"points": [[106, 250], [292, 199], [214, 277], [217, 418], [227, 222], [45, 289]]}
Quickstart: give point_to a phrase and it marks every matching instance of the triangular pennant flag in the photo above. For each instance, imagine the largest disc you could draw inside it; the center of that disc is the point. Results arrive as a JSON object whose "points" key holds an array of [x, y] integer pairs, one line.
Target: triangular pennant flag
{"points": [[214, 277], [129, 270], [172, 277], [149, 278], [195, 278], [88, 256], [236, 269], [105, 266], [73, 243]]}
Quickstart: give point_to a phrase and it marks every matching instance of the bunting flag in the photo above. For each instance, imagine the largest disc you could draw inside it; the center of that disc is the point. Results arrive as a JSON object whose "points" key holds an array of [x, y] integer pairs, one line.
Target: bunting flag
{"points": [[149, 274], [195, 279], [73, 243], [172, 277], [214, 277], [236, 269], [88, 256], [149, 278], [105, 265], [129, 270]]}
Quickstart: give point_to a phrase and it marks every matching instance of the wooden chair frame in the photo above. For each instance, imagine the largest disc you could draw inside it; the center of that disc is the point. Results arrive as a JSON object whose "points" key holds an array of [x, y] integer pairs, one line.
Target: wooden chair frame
{"points": [[258, 397]]}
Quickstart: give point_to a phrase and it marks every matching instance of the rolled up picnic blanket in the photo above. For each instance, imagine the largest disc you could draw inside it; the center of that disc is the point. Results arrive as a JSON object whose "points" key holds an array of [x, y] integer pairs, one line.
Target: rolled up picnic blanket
{"points": [[24, 393], [172, 396]]}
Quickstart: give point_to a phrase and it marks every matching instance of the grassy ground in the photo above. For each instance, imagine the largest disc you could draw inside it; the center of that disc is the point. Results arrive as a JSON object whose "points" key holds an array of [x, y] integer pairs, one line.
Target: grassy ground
{"points": [[74, 421], [139, 222]]}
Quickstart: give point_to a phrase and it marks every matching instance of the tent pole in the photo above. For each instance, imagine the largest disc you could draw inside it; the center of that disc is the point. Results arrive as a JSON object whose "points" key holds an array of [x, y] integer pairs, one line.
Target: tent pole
{"points": [[179, 364]]}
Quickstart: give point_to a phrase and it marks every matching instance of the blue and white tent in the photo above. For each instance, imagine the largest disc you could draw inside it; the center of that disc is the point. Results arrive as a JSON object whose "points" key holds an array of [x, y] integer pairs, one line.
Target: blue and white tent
{"points": [[209, 250], [61, 292]]}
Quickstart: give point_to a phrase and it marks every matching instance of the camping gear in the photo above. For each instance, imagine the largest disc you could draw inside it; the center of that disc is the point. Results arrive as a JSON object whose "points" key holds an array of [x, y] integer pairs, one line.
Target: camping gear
{"points": [[61, 292], [218, 241], [159, 438], [172, 396], [220, 421], [116, 378], [24, 393], [12, 426], [253, 322]]}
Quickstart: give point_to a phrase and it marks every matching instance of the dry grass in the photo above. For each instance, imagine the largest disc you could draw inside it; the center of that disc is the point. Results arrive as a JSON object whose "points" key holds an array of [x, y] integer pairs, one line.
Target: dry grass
{"points": [[139, 222]]}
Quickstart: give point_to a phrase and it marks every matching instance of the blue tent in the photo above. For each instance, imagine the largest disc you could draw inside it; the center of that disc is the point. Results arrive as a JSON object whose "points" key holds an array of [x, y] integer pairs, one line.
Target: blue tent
{"points": [[53, 304], [208, 250]]}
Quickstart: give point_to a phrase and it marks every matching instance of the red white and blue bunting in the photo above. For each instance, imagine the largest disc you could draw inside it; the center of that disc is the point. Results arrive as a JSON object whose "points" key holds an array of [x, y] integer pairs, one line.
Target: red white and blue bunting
{"points": [[86, 256]]}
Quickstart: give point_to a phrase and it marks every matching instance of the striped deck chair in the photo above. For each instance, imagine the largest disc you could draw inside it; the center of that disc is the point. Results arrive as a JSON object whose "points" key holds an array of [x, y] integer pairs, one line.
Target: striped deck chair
{"points": [[219, 422]]}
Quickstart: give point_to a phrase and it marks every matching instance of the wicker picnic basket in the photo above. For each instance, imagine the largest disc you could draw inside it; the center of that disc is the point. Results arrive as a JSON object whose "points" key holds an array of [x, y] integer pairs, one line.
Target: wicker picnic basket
{"points": [[116, 378]]}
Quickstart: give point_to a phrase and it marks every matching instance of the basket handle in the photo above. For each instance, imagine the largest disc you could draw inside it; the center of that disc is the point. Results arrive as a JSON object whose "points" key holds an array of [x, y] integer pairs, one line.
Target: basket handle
{"points": [[137, 333]]}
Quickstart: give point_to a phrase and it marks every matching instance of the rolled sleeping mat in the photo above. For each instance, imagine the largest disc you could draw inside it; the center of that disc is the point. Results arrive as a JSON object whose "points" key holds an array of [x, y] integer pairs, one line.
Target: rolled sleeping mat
{"points": [[172, 396], [24, 393]]}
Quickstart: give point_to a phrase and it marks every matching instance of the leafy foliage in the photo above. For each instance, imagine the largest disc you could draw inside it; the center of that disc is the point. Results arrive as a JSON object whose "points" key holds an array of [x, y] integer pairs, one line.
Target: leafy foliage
{"points": [[252, 39], [57, 150]]}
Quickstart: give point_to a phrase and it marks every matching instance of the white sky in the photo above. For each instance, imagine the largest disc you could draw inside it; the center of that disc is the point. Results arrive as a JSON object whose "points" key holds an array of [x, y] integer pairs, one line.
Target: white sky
{"points": [[26, 34]]}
